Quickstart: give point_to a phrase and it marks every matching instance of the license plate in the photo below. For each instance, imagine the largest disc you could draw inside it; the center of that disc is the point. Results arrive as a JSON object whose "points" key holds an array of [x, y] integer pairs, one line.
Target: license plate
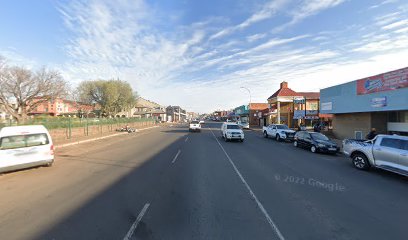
{"points": [[332, 149]]}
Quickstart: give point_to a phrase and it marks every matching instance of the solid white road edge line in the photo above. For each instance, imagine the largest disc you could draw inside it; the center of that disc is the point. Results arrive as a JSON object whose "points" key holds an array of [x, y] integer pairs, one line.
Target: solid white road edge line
{"points": [[261, 207], [175, 157], [186, 139], [138, 219]]}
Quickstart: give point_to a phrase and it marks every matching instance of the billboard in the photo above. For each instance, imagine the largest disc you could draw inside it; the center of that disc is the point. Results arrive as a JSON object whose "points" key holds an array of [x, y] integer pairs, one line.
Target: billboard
{"points": [[383, 82]]}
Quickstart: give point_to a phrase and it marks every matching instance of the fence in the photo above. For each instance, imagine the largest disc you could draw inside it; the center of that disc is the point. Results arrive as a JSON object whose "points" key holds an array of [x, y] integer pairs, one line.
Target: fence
{"points": [[66, 129]]}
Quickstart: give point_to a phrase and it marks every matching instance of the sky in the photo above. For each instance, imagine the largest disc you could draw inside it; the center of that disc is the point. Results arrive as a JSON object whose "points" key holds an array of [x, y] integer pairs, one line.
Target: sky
{"points": [[198, 54]]}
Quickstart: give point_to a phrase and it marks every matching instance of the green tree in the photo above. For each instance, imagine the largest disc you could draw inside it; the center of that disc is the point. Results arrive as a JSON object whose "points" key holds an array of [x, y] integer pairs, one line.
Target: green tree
{"points": [[113, 96]]}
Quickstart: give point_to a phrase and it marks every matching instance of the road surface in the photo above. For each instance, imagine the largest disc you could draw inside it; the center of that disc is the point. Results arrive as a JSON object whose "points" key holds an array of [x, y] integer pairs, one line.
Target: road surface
{"points": [[167, 183]]}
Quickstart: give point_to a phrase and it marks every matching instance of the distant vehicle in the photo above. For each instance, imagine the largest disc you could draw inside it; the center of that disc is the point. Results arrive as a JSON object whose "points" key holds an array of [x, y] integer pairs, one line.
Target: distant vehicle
{"points": [[231, 131], [24, 147], [388, 152], [315, 142], [243, 125], [278, 132], [201, 122], [126, 129], [194, 126]]}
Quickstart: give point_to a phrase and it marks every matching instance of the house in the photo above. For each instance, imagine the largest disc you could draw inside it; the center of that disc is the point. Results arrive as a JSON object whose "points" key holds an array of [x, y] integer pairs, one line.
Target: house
{"points": [[60, 107], [293, 108], [4, 116], [145, 109]]}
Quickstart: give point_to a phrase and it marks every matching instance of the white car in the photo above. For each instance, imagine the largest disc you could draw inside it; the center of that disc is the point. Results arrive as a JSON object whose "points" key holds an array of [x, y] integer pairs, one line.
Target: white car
{"points": [[279, 132], [194, 126], [231, 131], [24, 147], [201, 122], [243, 125]]}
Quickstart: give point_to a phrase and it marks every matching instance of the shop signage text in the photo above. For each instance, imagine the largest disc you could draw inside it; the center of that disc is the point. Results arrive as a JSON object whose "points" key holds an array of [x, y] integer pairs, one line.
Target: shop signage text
{"points": [[383, 82]]}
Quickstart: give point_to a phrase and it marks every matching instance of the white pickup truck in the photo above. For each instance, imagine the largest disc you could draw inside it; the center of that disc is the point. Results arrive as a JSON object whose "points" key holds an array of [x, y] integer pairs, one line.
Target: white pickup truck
{"points": [[388, 152], [278, 132]]}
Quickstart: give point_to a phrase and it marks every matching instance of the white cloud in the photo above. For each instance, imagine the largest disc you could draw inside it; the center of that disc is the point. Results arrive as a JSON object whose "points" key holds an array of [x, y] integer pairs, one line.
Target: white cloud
{"points": [[267, 11], [255, 37], [308, 8]]}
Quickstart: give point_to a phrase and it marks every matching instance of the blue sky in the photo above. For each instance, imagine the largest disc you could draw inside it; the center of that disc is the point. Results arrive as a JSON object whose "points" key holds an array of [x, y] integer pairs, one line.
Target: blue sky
{"points": [[198, 54]]}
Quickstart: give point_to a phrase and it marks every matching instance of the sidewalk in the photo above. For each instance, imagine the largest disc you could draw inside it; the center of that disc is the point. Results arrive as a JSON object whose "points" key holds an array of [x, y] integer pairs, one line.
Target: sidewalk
{"points": [[84, 139]]}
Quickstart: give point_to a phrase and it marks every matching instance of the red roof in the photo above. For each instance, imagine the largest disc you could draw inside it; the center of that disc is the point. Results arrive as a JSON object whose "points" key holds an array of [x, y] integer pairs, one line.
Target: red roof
{"points": [[284, 92], [310, 95], [258, 106]]}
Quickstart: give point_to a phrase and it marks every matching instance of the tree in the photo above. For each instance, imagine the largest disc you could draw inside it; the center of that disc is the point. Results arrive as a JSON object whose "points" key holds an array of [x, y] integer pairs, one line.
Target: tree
{"points": [[23, 90], [112, 96]]}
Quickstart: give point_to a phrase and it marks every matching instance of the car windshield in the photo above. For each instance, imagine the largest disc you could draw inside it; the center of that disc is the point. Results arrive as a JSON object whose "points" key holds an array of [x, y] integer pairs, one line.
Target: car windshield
{"points": [[233, 127], [22, 141], [319, 136], [282, 127], [194, 122]]}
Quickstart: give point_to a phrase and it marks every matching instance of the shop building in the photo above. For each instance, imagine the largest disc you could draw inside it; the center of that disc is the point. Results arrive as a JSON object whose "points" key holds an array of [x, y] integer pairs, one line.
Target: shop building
{"points": [[379, 101], [287, 106]]}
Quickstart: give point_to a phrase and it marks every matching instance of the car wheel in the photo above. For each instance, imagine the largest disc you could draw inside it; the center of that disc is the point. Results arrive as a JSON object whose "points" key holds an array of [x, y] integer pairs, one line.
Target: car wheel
{"points": [[277, 137], [49, 164], [265, 134], [360, 161], [313, 149], [225, 138], [242, 140], [295, 143]]}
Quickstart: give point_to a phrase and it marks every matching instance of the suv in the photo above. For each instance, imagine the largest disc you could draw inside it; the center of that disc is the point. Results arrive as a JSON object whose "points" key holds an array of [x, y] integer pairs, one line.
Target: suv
{"points": [[279, 132], [231, 131], [388, 152], [194, 126]]}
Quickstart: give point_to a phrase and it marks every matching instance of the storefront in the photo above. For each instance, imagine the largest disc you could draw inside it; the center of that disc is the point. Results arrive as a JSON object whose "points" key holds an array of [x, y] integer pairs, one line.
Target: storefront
{"points": [[242, 113], [379, 102]]}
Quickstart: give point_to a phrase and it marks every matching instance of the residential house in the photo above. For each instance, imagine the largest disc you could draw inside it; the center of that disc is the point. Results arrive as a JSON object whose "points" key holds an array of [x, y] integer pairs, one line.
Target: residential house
{"points": [[145, 109], [61, 107]]}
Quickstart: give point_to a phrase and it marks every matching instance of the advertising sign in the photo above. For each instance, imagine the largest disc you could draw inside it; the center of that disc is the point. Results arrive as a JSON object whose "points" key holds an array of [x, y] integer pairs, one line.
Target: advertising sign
{"points": [[327, 106], [299, 100], [379, 102], [299, 114], [383, 82], [312, 112]]}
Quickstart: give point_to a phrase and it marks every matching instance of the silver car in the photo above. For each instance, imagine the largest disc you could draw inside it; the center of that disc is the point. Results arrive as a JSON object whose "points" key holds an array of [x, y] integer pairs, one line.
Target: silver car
{"points": [[388, 152]]}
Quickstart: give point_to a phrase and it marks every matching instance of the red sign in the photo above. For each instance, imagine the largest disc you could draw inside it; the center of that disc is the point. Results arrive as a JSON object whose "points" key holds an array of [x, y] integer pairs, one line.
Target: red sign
{"points": [[383, 82]]}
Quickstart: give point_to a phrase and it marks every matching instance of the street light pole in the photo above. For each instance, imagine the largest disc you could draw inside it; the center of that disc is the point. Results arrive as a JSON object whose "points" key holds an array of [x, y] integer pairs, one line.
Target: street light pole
{"points": [[248, 92]]}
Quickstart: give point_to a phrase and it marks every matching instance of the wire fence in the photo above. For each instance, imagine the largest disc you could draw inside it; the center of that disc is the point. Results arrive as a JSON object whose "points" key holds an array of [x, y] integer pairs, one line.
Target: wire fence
{"points": [[65, 128]]}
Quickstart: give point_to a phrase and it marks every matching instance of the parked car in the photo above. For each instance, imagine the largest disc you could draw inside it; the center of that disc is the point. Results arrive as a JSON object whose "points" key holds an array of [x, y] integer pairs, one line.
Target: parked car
{"points": [[243, 125], [24, 147], [201, 122], [278, 132], [388, 152], [231, 131], [315, 142], [194, 126]]}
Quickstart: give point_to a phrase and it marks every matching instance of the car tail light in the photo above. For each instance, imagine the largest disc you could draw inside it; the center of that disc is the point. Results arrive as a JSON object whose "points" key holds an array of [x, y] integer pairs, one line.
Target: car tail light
{"points": [[52, 149]]}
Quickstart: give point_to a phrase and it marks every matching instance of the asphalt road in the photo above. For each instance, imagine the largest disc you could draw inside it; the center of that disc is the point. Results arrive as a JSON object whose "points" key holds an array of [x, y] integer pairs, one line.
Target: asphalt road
{"points": [[167, 183]]}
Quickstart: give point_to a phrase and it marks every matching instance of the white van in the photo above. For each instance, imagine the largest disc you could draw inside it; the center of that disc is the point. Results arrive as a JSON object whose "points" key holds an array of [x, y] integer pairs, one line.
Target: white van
{"points": [[24, 147]]}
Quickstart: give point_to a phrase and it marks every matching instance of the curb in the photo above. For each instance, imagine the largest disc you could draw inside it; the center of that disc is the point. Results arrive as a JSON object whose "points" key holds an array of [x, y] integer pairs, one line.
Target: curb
{"points": [[98, 138]]}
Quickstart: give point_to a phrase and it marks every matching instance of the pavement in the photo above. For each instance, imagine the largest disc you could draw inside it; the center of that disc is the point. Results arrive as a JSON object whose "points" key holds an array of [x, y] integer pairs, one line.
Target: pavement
{"points": [[167, 183]]}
